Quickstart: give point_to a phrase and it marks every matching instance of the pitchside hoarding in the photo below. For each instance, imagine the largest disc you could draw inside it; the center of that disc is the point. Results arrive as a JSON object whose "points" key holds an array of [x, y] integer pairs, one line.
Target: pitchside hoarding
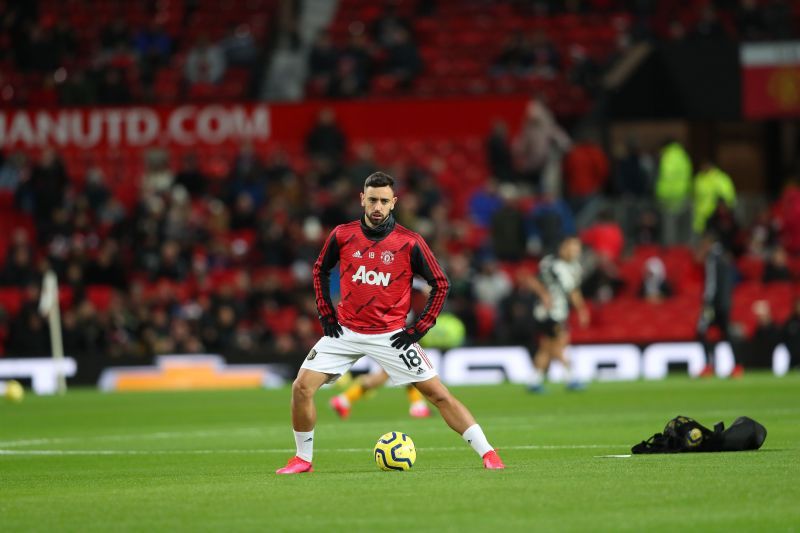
{"points": [[459, 366]]}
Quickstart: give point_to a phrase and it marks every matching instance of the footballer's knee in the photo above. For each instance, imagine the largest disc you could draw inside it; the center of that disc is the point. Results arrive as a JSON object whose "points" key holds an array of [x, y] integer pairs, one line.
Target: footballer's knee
{"points": [[302, 390], [438, 396]]}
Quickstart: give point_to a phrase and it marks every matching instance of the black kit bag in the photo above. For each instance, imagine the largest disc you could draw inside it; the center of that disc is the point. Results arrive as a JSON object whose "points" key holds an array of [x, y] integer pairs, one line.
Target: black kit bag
{"points": [[683, 434]]}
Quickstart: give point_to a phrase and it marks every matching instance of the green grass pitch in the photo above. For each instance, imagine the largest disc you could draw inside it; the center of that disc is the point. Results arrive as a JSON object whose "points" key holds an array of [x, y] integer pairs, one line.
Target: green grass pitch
{"points": [[202, 461]]}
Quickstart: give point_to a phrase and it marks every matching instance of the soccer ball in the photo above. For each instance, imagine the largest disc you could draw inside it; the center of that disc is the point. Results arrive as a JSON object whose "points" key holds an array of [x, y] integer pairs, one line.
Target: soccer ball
{"points": [[694, 438], [14, 391], [395, 451]]}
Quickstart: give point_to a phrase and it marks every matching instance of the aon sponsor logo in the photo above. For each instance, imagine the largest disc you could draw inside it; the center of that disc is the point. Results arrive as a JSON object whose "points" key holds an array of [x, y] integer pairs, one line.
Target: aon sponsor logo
{"points": [[370, 277]]}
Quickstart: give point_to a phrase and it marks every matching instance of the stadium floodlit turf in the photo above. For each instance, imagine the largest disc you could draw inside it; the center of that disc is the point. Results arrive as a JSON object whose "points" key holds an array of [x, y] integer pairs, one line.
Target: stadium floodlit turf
{"points": [[206, 460]]}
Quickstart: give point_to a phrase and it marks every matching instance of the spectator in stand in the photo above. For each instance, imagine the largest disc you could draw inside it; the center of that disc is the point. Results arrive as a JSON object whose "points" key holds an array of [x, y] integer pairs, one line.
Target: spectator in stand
{"points": [[77, 90], [655, 286], [362, 165], [548, 223], [515, 57], [115, 33], [789, 215], [205, 62], [243, 214], [106, 268], [632, 185], [113, 89], [791, 333], [65, 39], [586, 171], [484, 203], [28, 334], [247, 175], [545, 60], [323, 60], [491, 283], [507, 229], [48, 182], [763, 234], [765, 338], [605, 243], [153, 45], [239, 46], [402, 57], [605, 236], [172, 264], [515, 312], [711, 186], [673, 189], [95, 191], [355, 67], [191, 177], [158, 177], [326, 144], [387, 22], [777, 266], [538, 147], [13, 172], [42, 53], [634, 171], [602, 280], [587, 72], [498, 153], [19, 269], [709, 27]]}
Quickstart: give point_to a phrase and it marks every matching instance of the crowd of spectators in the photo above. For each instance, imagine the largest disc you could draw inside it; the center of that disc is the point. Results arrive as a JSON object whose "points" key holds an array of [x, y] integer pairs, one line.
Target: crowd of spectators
{"points": [[223, 265], [386, 47], [48, 61]]}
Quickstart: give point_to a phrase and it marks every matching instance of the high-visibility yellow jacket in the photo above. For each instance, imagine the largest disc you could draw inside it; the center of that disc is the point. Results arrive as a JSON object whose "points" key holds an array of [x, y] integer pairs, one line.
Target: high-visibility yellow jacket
{"points": [[673, 185], [710, 187]]}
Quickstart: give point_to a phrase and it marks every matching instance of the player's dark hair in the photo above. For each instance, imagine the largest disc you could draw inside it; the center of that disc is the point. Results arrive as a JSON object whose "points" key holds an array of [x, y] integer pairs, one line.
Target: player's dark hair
{"points": [[379, 179]]}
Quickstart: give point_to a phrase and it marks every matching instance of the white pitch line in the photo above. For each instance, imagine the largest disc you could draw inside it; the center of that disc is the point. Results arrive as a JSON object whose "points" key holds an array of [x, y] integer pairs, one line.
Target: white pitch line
{"points": [[286, 450]]}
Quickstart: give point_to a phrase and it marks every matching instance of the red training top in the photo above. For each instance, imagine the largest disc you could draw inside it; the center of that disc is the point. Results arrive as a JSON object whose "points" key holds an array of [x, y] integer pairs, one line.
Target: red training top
{"points": [[377, 266]]}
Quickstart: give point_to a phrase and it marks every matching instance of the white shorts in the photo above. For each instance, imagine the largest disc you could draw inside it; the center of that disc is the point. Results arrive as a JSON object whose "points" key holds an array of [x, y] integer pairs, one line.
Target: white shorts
{"points": [[335, 356]]}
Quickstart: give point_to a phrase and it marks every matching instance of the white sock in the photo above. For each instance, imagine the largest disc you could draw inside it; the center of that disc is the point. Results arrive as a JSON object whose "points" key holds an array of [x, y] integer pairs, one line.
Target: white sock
{"points": [[475, 438], [536, 378], [305, 444], [568, 374]]}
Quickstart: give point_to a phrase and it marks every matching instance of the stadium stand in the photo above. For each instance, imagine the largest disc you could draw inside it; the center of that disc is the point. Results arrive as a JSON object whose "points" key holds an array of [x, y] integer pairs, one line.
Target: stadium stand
{"points": [[222, 262]]}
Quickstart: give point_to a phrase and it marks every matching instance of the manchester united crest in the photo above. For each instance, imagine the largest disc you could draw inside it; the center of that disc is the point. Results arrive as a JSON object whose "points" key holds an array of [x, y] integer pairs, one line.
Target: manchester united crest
{"points": [[387, 257]]}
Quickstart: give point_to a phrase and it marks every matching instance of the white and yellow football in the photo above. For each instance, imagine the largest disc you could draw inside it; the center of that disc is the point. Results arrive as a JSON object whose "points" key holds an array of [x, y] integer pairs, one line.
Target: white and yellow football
{"points": [[395, 451]]}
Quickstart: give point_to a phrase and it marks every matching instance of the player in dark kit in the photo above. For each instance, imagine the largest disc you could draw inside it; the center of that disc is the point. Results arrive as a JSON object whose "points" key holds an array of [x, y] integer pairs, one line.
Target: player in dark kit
{"points": [[377, 261]]}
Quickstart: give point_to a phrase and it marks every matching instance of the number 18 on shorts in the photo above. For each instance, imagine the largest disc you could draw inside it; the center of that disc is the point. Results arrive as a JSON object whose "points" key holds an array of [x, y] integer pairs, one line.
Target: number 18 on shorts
{"points": [[335, 356]]}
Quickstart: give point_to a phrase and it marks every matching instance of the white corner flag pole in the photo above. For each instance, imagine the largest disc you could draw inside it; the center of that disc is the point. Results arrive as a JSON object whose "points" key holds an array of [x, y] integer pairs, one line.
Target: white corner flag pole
{"points": [[49, 307]]}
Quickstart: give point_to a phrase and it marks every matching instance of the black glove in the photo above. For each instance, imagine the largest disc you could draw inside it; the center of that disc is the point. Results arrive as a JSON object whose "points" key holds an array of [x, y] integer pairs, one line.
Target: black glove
{"points": [[402, 340], [330, 326]]}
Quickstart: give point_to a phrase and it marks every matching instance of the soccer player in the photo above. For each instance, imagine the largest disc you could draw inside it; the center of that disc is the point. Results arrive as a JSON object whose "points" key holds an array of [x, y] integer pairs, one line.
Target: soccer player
{"points": [[377, 261], [342, 403], [558, 286]]}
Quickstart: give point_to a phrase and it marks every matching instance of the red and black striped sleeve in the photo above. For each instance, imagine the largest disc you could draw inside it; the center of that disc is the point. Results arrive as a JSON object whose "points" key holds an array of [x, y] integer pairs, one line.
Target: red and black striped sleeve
{"points": [[425, 264], [327, 259]]}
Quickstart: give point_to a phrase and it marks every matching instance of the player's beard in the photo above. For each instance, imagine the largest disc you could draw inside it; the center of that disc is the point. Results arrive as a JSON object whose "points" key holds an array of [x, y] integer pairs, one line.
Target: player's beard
{"points": [[377, 221]]}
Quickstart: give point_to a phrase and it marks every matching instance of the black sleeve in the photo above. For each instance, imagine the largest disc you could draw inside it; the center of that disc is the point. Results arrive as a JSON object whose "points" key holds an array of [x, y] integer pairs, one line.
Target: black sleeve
{"points": [[327, 259], [424, 264]]}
